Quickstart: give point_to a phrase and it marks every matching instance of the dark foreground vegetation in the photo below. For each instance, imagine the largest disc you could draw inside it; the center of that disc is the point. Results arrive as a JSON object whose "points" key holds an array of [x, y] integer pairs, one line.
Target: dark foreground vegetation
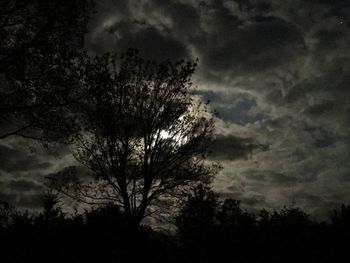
{"points": [[208, 231]]}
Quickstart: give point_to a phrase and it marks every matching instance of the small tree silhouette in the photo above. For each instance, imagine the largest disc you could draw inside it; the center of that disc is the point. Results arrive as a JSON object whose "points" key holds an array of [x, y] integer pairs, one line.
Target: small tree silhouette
{"points": [[341, 218], [231, 214], [51, 209], [5, 214], [199, 212], [291, 217]]}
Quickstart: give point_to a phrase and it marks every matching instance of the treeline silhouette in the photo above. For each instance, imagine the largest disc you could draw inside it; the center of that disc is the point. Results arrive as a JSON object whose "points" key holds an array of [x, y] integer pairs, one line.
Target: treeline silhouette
{"points": [[208, 230]]}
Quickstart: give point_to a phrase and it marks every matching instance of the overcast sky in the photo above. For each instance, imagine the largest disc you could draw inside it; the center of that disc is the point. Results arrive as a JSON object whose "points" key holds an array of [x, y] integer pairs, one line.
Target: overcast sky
{"points": [[276, 71]]}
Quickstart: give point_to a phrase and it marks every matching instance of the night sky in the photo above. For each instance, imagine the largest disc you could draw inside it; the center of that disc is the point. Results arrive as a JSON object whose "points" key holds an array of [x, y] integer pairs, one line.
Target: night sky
{"points": [[276, 71]]}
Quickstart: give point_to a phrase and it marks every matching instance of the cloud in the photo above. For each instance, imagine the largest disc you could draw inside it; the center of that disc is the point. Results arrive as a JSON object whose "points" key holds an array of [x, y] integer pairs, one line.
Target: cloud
{"points": [[23, 186], [23, 201], [257, 47], [231, 148], [16, 160], [276, 71], [146, 30], [22, 170]]}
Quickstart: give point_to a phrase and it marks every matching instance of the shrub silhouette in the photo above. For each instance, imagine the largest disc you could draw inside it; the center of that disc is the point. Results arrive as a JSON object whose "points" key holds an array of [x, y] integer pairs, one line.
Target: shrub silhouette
{"points": [[341, 218], [209, 230], [199, 212]]}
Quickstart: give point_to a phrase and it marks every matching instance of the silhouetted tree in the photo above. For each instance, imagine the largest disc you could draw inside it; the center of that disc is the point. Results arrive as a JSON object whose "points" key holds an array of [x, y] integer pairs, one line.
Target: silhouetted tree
{"points": [[5, 214], [199, 212], [292, 217], [108, 217], [41, 42], [341, 217], [197, 224], [264, 218], [143, 135], [231, 214], [51, 209], [210, 232]]}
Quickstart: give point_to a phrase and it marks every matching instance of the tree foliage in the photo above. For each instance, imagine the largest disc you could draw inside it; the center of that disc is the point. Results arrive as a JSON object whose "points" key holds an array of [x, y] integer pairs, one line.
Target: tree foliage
{"points": [[40, 44], [199, 212], [102, 234], [143, 135]]}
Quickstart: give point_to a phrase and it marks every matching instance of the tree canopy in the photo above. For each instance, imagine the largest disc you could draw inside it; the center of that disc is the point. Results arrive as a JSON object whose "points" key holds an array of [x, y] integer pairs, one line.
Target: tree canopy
{"points": [[143, 135], [40, 43]]}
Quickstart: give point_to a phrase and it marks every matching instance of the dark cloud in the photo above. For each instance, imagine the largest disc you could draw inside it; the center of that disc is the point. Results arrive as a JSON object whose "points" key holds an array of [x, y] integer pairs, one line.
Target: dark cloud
{"points": [[119, 32], [272, 177], [23, 186], [328, 39], [336, 4], [32, 201], [185, 18], [15, 160], [8, 198], [73, 172], [23, 201], [153, 44], [23, 166], [257, 47], [282, 179], [231, 147]]}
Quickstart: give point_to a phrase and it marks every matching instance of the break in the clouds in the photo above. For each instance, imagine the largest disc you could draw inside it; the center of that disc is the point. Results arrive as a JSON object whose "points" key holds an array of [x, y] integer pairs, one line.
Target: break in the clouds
{"points": [[276, 71]]}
